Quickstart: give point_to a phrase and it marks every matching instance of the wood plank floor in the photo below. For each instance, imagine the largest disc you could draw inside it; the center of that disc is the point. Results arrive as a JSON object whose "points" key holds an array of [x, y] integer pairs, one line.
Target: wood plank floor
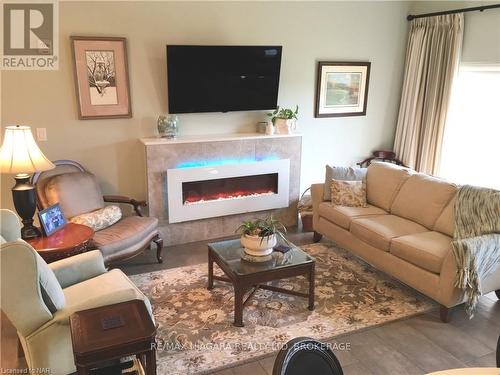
{"points": [[414, 346]]}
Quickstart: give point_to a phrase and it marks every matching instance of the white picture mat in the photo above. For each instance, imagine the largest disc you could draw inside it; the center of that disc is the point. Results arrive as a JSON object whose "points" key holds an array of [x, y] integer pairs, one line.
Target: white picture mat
{"points": [[323, 108]]}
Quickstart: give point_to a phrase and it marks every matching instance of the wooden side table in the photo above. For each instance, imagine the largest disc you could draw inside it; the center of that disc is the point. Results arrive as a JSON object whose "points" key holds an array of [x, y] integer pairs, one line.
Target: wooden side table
{"points": [[112, 332], [71, 240]]}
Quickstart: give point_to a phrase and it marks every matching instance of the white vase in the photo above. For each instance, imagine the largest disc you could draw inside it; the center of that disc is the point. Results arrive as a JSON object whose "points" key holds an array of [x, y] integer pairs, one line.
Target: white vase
{"points": [[269, 128], [258, 246], [284, 126], [280, 124]]}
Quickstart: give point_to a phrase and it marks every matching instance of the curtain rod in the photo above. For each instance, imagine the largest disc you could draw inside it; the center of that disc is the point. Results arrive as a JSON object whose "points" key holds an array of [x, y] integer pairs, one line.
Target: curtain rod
{"points": [[463, 10]]}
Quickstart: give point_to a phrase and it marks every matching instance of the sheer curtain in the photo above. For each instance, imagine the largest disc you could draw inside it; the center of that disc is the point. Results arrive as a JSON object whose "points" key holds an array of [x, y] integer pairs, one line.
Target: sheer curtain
{"points": [[471, 146], [432, 58]]}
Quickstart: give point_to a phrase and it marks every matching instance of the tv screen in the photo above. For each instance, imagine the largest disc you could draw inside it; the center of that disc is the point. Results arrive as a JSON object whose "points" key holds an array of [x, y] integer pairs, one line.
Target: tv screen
{"points": [[222, 78]]}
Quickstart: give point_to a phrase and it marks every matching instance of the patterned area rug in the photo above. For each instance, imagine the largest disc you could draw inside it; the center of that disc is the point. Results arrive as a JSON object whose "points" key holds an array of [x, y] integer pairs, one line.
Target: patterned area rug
{"points": [[195, 331]]}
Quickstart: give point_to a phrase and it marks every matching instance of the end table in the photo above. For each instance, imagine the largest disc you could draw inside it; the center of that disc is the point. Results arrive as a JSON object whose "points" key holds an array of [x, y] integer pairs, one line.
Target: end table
{"points": [[70, 240], [113, 332]]}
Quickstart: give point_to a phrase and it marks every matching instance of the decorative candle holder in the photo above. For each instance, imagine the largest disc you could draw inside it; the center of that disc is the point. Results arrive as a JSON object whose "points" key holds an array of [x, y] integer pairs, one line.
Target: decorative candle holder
{"points": [[168, 126]]}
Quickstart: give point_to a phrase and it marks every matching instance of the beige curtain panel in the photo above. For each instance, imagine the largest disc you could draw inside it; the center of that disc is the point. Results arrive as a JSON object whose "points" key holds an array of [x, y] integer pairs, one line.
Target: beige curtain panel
{"points": [[432, 59]]}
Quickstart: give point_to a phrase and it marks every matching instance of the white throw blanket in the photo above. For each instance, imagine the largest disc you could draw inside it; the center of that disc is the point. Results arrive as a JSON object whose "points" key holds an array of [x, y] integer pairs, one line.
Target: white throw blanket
{"points": [[476, 241]]}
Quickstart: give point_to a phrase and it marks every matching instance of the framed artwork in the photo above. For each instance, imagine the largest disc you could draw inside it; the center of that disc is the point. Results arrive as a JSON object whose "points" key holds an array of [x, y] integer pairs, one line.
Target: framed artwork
{"points": [[52, 219], [101, 77], [342, 89]]}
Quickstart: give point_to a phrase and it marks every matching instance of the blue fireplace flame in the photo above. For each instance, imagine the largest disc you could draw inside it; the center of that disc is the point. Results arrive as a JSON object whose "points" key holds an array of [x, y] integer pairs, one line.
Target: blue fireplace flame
{"points": [[218, 162]]}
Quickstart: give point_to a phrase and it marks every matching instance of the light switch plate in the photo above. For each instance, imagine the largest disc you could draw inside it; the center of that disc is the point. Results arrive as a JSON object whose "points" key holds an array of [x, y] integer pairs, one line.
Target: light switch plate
{"points": [[41, 134]]}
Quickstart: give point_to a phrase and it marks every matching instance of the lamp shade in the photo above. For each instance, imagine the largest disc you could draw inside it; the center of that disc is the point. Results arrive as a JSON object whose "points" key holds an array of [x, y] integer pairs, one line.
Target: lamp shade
{"points": [[20, 153]]}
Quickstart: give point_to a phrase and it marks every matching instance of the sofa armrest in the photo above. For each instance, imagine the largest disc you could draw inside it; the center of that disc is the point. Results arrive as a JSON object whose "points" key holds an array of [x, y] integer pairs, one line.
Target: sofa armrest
{"points": [[78, 268], [126, 200], [451, 295], [11, 227], [317, 198]]}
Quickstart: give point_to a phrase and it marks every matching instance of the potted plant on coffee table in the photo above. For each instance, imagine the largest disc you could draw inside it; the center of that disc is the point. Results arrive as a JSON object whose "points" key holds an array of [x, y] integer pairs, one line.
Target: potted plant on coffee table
{"points": [[260, 236], [284, 119]]}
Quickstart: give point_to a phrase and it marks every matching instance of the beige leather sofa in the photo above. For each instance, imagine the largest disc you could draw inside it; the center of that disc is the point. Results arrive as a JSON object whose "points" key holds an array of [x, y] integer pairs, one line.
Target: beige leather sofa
{"points": [[405, 231]]}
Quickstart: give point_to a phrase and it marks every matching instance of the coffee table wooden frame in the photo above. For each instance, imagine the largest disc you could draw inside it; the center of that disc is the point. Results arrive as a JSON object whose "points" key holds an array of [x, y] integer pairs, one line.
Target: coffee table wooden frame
{"points": [[254, 281]]}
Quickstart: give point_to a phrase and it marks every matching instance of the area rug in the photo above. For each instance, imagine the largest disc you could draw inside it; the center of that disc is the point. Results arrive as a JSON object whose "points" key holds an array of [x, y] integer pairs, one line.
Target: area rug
{"points": [[195, 331]]}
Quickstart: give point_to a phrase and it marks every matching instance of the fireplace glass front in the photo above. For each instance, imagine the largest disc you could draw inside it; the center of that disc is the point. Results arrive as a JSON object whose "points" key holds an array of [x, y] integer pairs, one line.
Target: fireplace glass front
{"points": [[196, 192]]}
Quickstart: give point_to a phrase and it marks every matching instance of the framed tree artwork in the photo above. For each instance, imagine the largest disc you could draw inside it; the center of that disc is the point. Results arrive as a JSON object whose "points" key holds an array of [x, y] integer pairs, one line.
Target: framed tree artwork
{"points": [[342, 89], [101, 77]]}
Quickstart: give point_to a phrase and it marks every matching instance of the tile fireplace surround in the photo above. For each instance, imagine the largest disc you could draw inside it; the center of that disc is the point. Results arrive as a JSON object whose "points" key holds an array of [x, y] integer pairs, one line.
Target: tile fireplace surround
{"points": [[184, 162]]}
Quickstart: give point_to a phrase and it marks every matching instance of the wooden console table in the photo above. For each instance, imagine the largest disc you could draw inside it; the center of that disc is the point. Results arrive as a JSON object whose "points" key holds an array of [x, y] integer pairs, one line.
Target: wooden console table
{"points": [[71, 240]]}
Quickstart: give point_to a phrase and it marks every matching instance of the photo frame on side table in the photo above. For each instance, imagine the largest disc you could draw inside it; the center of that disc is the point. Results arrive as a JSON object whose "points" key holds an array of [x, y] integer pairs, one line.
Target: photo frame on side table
{"points": [[52, 219], [101, 77], [342, 89]]}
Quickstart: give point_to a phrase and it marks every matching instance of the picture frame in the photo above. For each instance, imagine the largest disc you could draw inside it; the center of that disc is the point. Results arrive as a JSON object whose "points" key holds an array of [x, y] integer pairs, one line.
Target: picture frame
{"points": [[52, 219], [341, 89], [101, 77]]}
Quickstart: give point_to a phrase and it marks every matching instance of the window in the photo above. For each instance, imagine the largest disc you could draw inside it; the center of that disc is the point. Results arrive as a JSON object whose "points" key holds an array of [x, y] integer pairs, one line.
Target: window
{"points": [[471, 145]]}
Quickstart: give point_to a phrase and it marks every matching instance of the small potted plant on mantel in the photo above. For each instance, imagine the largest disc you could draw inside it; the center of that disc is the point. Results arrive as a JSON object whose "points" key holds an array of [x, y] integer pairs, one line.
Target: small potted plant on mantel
{"points": [[284, 119], [260, 236]]}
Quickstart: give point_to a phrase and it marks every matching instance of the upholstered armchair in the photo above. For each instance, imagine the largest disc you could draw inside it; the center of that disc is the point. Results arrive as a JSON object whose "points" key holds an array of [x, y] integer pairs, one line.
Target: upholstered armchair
{"points": [[79, 195], [38, 298]]}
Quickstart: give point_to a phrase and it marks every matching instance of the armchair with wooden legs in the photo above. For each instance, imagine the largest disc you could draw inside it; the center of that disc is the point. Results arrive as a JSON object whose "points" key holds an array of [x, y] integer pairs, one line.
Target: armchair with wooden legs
{"points": [[78, 193]]}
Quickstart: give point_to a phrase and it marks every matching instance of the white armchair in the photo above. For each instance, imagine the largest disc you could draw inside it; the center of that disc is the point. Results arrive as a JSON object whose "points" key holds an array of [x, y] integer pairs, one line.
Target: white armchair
{"points": [[39, 298]]}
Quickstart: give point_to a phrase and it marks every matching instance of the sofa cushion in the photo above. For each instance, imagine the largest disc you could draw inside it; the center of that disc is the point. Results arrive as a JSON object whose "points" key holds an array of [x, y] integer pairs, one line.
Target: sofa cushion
{"points": [[422, 199], [77, 193], [446, 221], [106, 289], [426, 250], [383, 181], [341, 173], [343, 215], [127, 234], [378, 231]]}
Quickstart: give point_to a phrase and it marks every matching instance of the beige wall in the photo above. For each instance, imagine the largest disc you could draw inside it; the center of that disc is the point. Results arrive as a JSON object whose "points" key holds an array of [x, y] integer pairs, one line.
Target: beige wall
{"points": [[481, 43], [308, 32]]}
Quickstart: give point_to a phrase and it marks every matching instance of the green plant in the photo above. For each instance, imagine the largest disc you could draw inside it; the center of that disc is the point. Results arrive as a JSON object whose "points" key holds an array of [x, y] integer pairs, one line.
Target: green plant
{"points": [[263, 228], [284, 113], [249, 227]]}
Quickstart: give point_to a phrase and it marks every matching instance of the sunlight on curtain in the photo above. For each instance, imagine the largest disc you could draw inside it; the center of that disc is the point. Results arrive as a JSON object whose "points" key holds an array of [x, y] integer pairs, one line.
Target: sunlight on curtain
{"points": [[471, 145]]}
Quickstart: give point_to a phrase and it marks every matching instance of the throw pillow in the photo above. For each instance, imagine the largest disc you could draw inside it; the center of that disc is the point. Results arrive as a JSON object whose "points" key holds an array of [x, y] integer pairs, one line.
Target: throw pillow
{"points": [[341, 173], [99, 219], [348, 193]]}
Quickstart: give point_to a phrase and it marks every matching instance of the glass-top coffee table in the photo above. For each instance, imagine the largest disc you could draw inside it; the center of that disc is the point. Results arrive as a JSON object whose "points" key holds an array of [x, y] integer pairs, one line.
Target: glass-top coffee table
{"points": [[246, 276]]}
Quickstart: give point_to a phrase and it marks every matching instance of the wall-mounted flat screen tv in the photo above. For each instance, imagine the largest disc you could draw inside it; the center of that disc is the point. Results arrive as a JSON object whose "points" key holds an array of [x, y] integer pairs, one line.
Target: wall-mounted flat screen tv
{"points": [[222, 78]]}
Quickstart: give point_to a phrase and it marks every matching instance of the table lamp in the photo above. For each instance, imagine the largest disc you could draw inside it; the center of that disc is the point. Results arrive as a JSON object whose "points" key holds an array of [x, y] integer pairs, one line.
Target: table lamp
{"points": [[21, 156]]}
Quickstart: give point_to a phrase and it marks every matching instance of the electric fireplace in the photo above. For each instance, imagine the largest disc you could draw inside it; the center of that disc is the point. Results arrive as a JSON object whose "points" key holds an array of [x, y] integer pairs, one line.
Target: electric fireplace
{"points": [[226, 189]]}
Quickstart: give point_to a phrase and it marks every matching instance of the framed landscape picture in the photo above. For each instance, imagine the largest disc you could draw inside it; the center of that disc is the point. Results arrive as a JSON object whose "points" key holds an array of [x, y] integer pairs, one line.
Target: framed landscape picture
{"points": [[101, 75], [342, 89]]}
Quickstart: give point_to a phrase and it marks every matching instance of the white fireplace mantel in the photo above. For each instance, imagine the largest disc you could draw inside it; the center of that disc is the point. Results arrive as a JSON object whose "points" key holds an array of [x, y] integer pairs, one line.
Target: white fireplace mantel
{"points": [[151, 141], [162, 155]]}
